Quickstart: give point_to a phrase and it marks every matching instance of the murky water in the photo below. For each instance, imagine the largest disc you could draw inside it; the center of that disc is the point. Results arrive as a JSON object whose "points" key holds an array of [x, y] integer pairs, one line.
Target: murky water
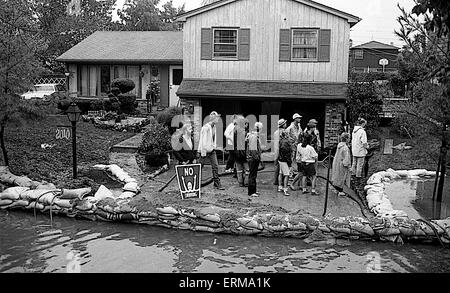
{"points": [[27, 245], [414, 196]]}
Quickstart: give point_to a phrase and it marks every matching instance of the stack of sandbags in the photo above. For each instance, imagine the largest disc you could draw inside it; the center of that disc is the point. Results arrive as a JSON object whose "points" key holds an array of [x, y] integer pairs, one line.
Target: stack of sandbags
{"points": [[131, 187]]}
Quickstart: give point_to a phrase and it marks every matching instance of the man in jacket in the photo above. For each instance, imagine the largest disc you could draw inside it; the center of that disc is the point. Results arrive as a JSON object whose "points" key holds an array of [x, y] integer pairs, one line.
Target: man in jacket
{"points": [[253, 157], [207, 147], [359, 147], [311, 128], [293, 132]]}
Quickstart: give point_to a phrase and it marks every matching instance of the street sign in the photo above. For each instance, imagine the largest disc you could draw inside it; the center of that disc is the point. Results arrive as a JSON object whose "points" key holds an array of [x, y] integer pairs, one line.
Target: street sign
{"points": [[189, 180], [63, 132], [383, 62]]}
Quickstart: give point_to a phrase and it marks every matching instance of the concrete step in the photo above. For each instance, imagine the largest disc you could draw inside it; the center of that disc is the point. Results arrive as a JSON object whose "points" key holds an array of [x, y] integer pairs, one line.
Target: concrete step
{"points": [[130, 145]]}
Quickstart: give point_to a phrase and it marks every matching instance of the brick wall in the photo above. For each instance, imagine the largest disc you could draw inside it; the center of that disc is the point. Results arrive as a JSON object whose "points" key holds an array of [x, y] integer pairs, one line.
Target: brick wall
{"points": [[333, 122], [194, 109]]}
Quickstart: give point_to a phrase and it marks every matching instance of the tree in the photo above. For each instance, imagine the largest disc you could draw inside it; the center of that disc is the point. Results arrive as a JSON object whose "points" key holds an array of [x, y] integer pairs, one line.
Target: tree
{"points": [[144, 15], [20, 47], [62, 30], [364, 101], [426, 31]]}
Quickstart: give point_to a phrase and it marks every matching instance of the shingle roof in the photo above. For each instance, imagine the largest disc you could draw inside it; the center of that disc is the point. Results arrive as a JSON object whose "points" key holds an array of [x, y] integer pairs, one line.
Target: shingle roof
{"points": [[128, 46], [375, 45], [261, 89]]}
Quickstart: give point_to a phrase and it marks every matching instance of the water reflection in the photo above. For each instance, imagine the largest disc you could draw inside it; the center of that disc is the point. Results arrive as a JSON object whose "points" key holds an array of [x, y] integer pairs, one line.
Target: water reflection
{"points": [[27, 246]]}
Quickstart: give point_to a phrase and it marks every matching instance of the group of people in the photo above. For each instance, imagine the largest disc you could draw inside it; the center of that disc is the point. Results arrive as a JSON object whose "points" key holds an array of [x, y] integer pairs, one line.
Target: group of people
{"points": [[296, 153]]}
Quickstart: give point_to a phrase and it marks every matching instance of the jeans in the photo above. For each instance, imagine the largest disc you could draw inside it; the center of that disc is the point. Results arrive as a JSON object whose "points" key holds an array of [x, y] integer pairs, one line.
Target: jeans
{"points": [[357, 166], [240, 169], [212, 157], [231, 160], [253, 166]]}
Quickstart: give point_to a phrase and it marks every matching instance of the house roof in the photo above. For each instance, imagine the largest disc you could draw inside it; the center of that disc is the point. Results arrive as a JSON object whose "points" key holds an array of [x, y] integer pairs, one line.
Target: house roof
{"points": [[352, 19], [375, 45], [128, 46], [261, 89]]}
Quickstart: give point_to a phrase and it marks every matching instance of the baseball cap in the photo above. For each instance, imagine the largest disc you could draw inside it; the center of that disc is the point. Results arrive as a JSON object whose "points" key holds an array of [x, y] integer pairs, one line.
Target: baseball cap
{"points": [[296, 115], [214, 114], [313, 121]]}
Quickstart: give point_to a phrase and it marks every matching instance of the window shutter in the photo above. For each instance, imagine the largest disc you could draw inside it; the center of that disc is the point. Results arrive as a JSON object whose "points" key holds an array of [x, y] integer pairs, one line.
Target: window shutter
{"points": [[285, 45], [206, 44], [244, 44], [324, 45]]}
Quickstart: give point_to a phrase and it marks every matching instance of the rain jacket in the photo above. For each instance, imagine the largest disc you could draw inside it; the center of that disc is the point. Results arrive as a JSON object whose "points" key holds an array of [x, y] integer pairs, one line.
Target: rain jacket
{"points": [[341, 166], [207, 143], [359, 142]]}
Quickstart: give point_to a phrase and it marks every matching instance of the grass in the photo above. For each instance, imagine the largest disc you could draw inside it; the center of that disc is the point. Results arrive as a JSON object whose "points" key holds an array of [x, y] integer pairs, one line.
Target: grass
{"points": [[423, 155], [26, 157]]}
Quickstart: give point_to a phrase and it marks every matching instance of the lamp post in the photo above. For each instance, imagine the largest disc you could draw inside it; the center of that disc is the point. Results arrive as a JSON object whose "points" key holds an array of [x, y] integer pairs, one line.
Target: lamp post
{"points": [[74, 113]]}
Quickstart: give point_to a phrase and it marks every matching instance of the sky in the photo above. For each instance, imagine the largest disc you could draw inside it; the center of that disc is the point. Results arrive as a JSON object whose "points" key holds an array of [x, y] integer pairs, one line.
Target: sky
{"points": [[378, 17]]}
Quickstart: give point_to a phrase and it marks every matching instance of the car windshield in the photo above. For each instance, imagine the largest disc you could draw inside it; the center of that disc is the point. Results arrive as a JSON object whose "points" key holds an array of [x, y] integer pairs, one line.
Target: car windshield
{"points": [[44, 88]]}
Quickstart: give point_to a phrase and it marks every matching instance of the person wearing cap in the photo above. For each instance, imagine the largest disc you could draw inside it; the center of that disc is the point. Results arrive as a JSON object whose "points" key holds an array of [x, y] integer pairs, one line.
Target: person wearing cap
{"points": [[359, 147], [253, 157], [207, 146], [285, 162], [282, 123], [311, 128], [294, 131], [239, 149], [342, 163]]}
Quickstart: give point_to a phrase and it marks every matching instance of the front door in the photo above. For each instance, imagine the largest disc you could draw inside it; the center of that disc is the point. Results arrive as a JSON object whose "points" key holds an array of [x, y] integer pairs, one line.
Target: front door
{"points": [[175, 79]]}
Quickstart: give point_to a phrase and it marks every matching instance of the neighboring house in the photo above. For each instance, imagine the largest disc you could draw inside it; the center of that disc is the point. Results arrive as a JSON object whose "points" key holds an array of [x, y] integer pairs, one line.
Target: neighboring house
{"points": [[366, 57], [266, 57], [140, 56]]}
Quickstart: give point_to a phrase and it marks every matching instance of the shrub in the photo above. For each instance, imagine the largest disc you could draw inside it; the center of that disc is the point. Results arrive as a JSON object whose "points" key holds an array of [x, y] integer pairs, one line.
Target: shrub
{"points": [[166, 116], [63, 104], [112, 104], [98, 105], [127, 103], [156, 139], [124, 85]]}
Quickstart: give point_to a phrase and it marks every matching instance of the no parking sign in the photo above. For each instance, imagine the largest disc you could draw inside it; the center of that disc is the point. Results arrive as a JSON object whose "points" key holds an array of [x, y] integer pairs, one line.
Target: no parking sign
{"points": [[189, 180]]}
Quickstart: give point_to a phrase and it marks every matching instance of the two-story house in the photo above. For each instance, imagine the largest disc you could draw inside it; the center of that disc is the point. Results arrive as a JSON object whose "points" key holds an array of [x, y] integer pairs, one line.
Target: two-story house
{"points": [[268, 57], [366, 57]]}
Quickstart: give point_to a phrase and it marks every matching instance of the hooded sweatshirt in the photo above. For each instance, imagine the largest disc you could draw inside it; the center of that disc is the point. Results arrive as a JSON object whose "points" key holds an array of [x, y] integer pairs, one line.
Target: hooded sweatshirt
{"points": [[359, 142]]}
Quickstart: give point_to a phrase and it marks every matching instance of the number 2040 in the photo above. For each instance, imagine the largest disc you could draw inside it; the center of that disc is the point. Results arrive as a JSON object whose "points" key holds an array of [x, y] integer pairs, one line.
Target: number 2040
{"points": [[63, 133]]}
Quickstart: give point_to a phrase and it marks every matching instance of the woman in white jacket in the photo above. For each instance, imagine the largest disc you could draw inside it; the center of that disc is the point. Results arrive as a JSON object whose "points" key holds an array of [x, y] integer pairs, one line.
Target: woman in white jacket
{"points": [[359, 147]]}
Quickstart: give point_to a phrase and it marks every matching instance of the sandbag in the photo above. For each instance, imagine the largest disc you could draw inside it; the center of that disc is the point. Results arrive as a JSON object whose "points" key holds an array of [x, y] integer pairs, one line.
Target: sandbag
{"points": [[5, 202], [47, 199], [32, 195], [23, 181], [127, 194], [13, 193], [402, 173], [75, 193], [131, 186], [19, 203], [417, 172], [63, 203], [392, 174], [46, 186], [35, 205], [101, 193], [84, 205], [375, 178], [249, 223], [167, 210]]}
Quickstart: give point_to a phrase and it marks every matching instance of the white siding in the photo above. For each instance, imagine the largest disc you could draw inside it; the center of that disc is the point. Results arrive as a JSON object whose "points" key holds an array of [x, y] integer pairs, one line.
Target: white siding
{"points": [[265, 18]]}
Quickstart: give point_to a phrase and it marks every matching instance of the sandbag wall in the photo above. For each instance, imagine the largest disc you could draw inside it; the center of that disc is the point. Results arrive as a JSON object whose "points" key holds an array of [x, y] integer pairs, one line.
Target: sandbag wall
{"points": [[103, 206]]}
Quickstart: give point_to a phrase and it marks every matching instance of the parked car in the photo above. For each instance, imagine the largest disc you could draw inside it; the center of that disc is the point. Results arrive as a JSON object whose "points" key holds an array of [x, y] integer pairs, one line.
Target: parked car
{"points": [[41, 91]]}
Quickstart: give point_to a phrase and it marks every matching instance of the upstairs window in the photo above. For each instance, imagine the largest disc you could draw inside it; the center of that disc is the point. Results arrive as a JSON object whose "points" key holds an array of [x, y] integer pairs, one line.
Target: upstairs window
{"points": [[305, 44], [225, 44], [359, 54]]}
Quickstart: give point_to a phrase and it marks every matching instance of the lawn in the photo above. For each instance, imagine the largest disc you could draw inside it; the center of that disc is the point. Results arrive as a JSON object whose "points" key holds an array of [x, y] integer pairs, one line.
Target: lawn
{"points": [[27, 157]]}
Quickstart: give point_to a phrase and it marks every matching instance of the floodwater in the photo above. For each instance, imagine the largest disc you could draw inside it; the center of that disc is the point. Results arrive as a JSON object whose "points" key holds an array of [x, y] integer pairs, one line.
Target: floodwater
{"points": [[28, 244], [414, 196]]}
